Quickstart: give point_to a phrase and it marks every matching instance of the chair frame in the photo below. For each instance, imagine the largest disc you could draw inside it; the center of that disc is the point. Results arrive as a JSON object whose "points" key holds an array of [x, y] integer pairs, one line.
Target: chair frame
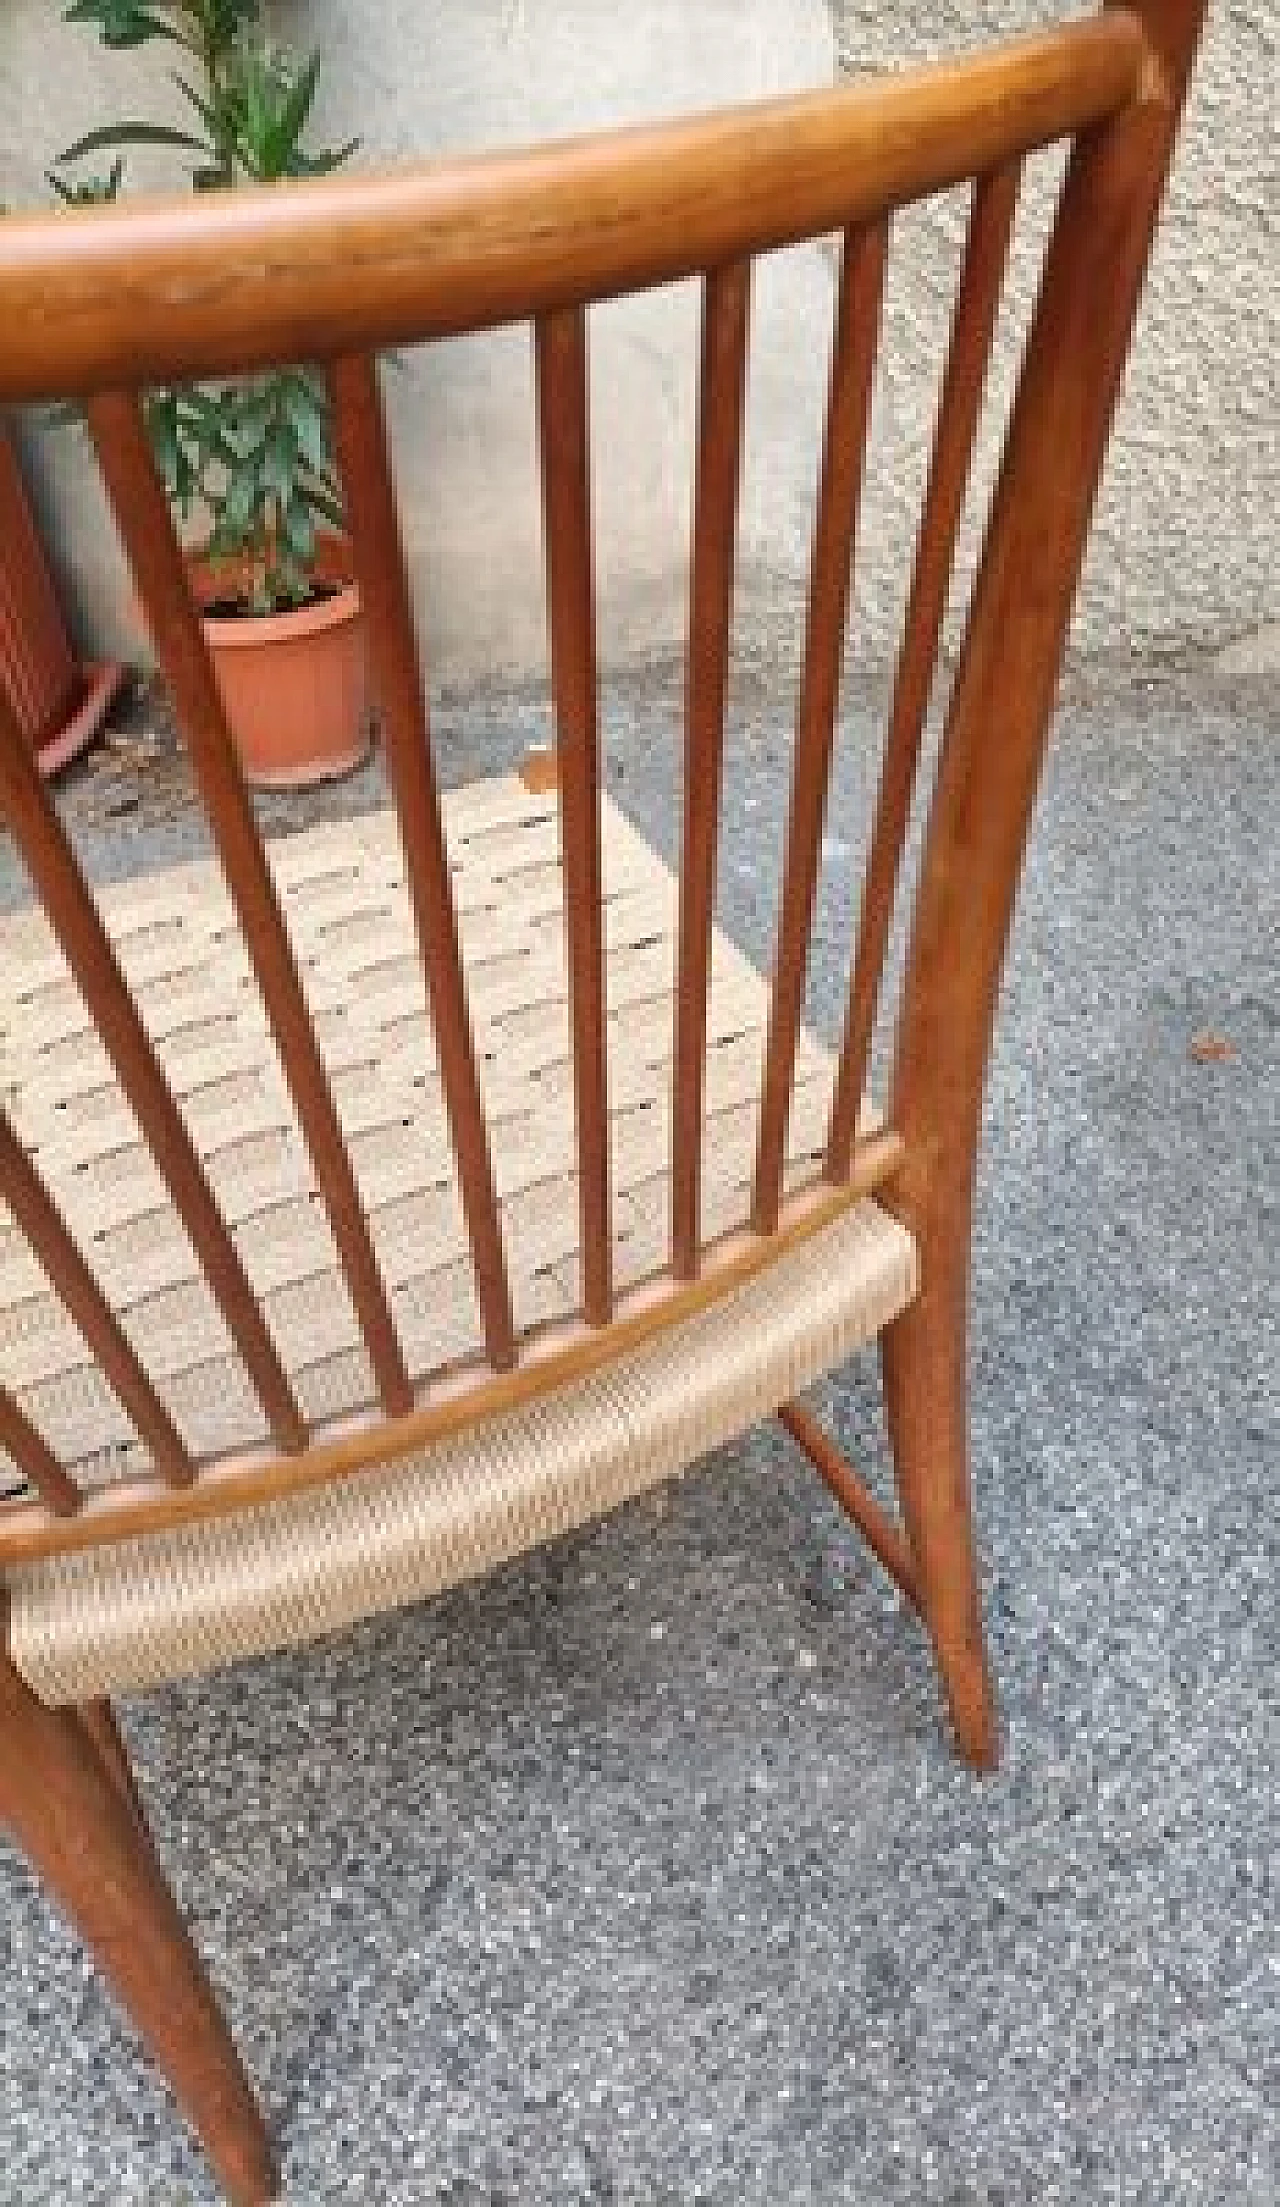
{"points": [[98, 303]]}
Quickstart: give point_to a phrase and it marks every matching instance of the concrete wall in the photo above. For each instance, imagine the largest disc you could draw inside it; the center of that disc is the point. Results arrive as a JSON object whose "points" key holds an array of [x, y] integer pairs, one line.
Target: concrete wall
{"points": [[1185, 549], [1185, 545]]}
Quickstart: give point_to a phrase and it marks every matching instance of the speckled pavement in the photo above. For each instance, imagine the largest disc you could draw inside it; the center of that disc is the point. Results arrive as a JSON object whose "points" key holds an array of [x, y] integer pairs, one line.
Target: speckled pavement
{"points": [[643, 1872]]}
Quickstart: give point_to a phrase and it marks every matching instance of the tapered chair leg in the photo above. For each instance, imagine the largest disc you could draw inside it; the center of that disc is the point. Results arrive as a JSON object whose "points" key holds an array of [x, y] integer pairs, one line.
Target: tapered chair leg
{"points": [[73, 1818], [989, 764], [923, 1359]]}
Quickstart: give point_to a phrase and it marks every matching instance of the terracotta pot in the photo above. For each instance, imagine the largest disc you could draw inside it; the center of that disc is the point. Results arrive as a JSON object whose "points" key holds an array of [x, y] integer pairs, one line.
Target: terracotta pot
{"points": [[58, 703], [295, 685]]}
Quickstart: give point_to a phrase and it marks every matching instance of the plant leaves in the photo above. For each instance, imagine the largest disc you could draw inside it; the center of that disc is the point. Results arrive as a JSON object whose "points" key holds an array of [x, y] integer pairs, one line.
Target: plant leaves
{"points": [[88, 191], [122, 23], [300, 534], [280, 461], [253, 408], [162, 429], [294, 109], [323, 163], [243, 496], [132, 133], [203, 107], [325, 501], [308, 419]]}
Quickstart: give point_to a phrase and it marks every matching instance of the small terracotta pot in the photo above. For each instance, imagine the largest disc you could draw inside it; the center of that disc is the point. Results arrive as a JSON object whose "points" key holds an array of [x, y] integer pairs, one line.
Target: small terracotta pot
{"points": [[295, 685]]}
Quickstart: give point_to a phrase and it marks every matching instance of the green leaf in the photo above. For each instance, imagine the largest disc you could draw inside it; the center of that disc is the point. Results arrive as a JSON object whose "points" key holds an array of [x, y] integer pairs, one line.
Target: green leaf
{"points": [[325, 502], [162, 429], [242, 498], [252, 408], [323, 163], [88, 191], [280, 462], [184, 484], [196, 405], [229, 444], [132, 133], [254, 111], [295, 108], [307, 412], [310, 427], [203, 107], [122, 23], [225, 20], [300, 534]]}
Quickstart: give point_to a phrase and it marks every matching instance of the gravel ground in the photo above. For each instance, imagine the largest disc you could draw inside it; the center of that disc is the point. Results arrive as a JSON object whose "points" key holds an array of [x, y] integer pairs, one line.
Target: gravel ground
{"points": [[643, 1872]]}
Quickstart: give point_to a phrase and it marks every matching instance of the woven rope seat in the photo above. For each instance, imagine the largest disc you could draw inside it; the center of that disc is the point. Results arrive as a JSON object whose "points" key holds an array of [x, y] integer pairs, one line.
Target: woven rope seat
{"points": [[139, 1611]]}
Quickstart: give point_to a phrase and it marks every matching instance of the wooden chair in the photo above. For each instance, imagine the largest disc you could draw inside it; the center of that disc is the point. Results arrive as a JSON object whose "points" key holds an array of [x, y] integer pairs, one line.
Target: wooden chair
{"points": [[320, 1293]]}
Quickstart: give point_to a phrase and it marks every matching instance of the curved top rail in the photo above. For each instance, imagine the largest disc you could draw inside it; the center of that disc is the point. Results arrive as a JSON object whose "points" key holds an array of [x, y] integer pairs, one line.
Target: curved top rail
{"points": [[214, 284]]}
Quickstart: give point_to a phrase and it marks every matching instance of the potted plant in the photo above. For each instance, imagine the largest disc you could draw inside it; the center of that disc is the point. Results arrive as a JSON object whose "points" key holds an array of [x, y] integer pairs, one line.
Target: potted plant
{"points": [[247, 464]]}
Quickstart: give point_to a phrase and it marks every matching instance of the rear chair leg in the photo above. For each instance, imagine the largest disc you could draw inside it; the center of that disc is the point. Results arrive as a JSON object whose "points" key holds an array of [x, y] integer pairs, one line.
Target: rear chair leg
{"points": [[70, 1809], [923, 1358]]}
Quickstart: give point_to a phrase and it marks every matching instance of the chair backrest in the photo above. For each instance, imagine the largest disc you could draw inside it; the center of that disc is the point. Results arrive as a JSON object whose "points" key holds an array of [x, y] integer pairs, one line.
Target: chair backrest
{"points": [[96, 305]]}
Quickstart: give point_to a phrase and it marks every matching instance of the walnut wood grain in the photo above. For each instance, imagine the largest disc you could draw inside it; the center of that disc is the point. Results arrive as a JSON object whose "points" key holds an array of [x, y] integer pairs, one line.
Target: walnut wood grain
{"points": [[68, 1810], [110, 296], [365, 463], [40, 1220], [981, 814], [34, 1458], [33, 821], [995, 201], [839, 492], [564, 439], [721, 401], [147, 532]]}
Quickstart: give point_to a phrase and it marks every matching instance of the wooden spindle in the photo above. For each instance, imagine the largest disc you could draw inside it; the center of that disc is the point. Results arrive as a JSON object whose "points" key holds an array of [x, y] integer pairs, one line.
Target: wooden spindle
{"points": [[360, 437], [35, 1459], [721, 405], [147, 531], [995, 202], [40, 1220], [839, 493], [33, 821], [560, 347]]}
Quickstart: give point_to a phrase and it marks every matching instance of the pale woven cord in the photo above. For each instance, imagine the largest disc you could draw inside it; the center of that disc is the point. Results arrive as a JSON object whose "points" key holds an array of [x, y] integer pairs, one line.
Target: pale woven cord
{"points": [[151, 1610], [342, 887], [119, 1619]]}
